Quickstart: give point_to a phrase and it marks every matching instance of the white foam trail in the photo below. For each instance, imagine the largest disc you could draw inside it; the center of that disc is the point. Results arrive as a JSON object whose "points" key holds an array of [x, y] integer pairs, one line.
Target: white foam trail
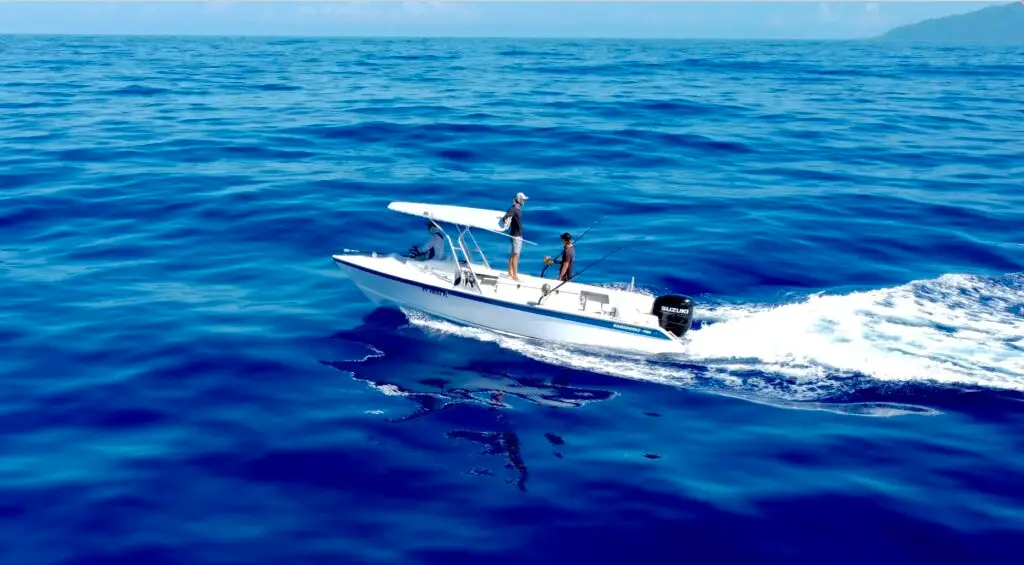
{"points": [[957, 329]]}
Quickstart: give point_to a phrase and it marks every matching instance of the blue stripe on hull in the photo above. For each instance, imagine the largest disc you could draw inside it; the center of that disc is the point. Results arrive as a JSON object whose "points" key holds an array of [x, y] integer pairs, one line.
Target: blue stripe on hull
{"points": [[616, 326]]}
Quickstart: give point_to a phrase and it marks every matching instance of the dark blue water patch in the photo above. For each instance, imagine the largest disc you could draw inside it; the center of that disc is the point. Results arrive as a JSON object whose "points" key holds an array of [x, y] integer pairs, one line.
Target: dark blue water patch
{"points": [[186, 150], [424, 57], [791, 118], [653, 108], [138, 90], [26, 177], [688, 141], [949, 122], [630, 68], [291, 41], [809, 174], [385, 131], [523, 53], [457, 155], [277, 87], [75, 410], [34, 104], [390, 110], [795, 70], [258, 152], [98, 155], [973, 70], [993, 259], [705, 538]]}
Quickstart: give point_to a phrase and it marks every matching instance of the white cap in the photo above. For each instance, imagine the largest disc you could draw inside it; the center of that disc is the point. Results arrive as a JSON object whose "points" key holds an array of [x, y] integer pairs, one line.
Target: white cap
{"points": [[520, 197]]}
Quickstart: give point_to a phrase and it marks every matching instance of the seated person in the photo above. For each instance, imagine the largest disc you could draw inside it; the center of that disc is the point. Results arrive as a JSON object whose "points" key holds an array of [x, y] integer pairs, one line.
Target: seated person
{"points": [[433, 248], [566, 259]]}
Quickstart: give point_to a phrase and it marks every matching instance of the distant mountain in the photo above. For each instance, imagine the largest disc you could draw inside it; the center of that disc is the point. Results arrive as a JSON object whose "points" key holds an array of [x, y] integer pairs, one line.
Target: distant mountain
{"points": [[993, 25]]}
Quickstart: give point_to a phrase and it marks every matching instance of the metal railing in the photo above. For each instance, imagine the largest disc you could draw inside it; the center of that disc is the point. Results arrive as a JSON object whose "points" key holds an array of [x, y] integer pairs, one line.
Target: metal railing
{"points": [[465, 255]]}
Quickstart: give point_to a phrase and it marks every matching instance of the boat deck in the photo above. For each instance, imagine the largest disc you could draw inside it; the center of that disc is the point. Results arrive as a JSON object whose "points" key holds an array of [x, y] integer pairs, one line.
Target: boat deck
{"points": [[572, 297]]}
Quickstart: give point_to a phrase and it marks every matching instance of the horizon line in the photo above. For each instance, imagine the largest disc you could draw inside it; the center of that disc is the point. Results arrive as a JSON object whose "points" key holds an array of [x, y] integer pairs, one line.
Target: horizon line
{"points": [[502, 37]]}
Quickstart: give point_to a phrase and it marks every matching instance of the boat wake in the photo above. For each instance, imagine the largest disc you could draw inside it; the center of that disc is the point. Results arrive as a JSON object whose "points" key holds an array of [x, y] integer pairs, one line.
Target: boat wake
{"points": [[957, 330]]}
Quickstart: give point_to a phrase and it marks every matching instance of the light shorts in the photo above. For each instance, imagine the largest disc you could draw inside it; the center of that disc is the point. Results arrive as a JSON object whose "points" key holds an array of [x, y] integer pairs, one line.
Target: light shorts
{"points": [[517, 244]]}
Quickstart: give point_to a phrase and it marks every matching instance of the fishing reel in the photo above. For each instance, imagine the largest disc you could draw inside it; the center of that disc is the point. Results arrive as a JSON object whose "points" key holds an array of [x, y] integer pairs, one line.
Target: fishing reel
{"points": [[547, 263]]}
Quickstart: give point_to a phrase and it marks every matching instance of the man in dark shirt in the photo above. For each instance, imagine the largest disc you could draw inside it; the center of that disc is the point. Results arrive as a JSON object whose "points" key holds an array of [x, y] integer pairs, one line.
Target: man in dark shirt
{"points": [[566, 260], [513, 222]]}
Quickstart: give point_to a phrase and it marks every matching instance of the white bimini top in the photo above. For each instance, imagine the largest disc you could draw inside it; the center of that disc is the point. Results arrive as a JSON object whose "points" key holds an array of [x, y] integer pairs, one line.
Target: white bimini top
{"points": [[479, 218]]}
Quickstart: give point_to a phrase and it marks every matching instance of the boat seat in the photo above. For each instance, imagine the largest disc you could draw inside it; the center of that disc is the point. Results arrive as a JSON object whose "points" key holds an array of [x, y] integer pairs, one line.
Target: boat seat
{"points": [[488, 280], [586, 297]]}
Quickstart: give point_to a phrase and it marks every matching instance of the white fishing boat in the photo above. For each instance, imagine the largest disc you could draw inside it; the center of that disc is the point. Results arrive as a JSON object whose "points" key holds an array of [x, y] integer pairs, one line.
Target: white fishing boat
{"points": [[463, 288]]}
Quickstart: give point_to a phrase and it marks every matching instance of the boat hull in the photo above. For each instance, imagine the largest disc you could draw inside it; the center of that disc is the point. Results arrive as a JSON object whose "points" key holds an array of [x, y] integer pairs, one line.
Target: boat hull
{"points": [[471, 309]]}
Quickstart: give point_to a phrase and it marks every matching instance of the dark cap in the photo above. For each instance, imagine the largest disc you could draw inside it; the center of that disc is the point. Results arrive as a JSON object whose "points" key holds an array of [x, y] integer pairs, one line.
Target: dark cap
{"points": [[566, 236]]}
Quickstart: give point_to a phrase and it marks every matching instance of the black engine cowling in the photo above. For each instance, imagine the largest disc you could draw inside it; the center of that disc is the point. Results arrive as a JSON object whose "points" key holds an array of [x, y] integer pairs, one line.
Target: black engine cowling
{"points": [[674, 312]]}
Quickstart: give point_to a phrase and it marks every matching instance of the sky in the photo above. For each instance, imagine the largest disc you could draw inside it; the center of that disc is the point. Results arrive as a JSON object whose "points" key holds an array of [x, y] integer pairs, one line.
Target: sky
{"points": [[720, 19]]}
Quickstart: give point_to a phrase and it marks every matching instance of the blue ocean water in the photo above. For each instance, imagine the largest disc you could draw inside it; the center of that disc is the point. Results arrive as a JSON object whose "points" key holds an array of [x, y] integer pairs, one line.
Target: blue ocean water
{"points": [[187, 378]]}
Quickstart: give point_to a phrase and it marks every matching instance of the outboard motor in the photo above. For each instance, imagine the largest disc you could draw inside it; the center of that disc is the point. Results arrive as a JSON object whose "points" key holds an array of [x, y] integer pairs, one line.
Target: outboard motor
{"points": [[674, 312]]}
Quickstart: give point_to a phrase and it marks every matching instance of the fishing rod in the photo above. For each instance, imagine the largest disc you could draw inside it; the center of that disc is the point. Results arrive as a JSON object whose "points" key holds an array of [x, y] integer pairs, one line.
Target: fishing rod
{"points": [[584, 269], [574, 242]]}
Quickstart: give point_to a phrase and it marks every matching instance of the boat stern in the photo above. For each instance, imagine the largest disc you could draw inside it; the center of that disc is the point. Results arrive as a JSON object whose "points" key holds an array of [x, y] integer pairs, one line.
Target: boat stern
{"points": [[674, 313]]}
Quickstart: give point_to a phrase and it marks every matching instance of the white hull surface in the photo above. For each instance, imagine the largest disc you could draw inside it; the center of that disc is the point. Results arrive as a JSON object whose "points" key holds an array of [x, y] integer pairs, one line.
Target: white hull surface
{"points": [[576, 313]]}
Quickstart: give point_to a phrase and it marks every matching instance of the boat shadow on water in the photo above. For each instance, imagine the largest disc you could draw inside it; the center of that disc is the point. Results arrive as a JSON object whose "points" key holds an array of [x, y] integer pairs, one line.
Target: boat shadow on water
{"points": [[393, 357]]}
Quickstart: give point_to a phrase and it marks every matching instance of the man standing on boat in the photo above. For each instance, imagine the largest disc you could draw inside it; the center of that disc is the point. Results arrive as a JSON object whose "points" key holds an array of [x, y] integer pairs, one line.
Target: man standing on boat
{"points": [[566, 260], [513, 222]]}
